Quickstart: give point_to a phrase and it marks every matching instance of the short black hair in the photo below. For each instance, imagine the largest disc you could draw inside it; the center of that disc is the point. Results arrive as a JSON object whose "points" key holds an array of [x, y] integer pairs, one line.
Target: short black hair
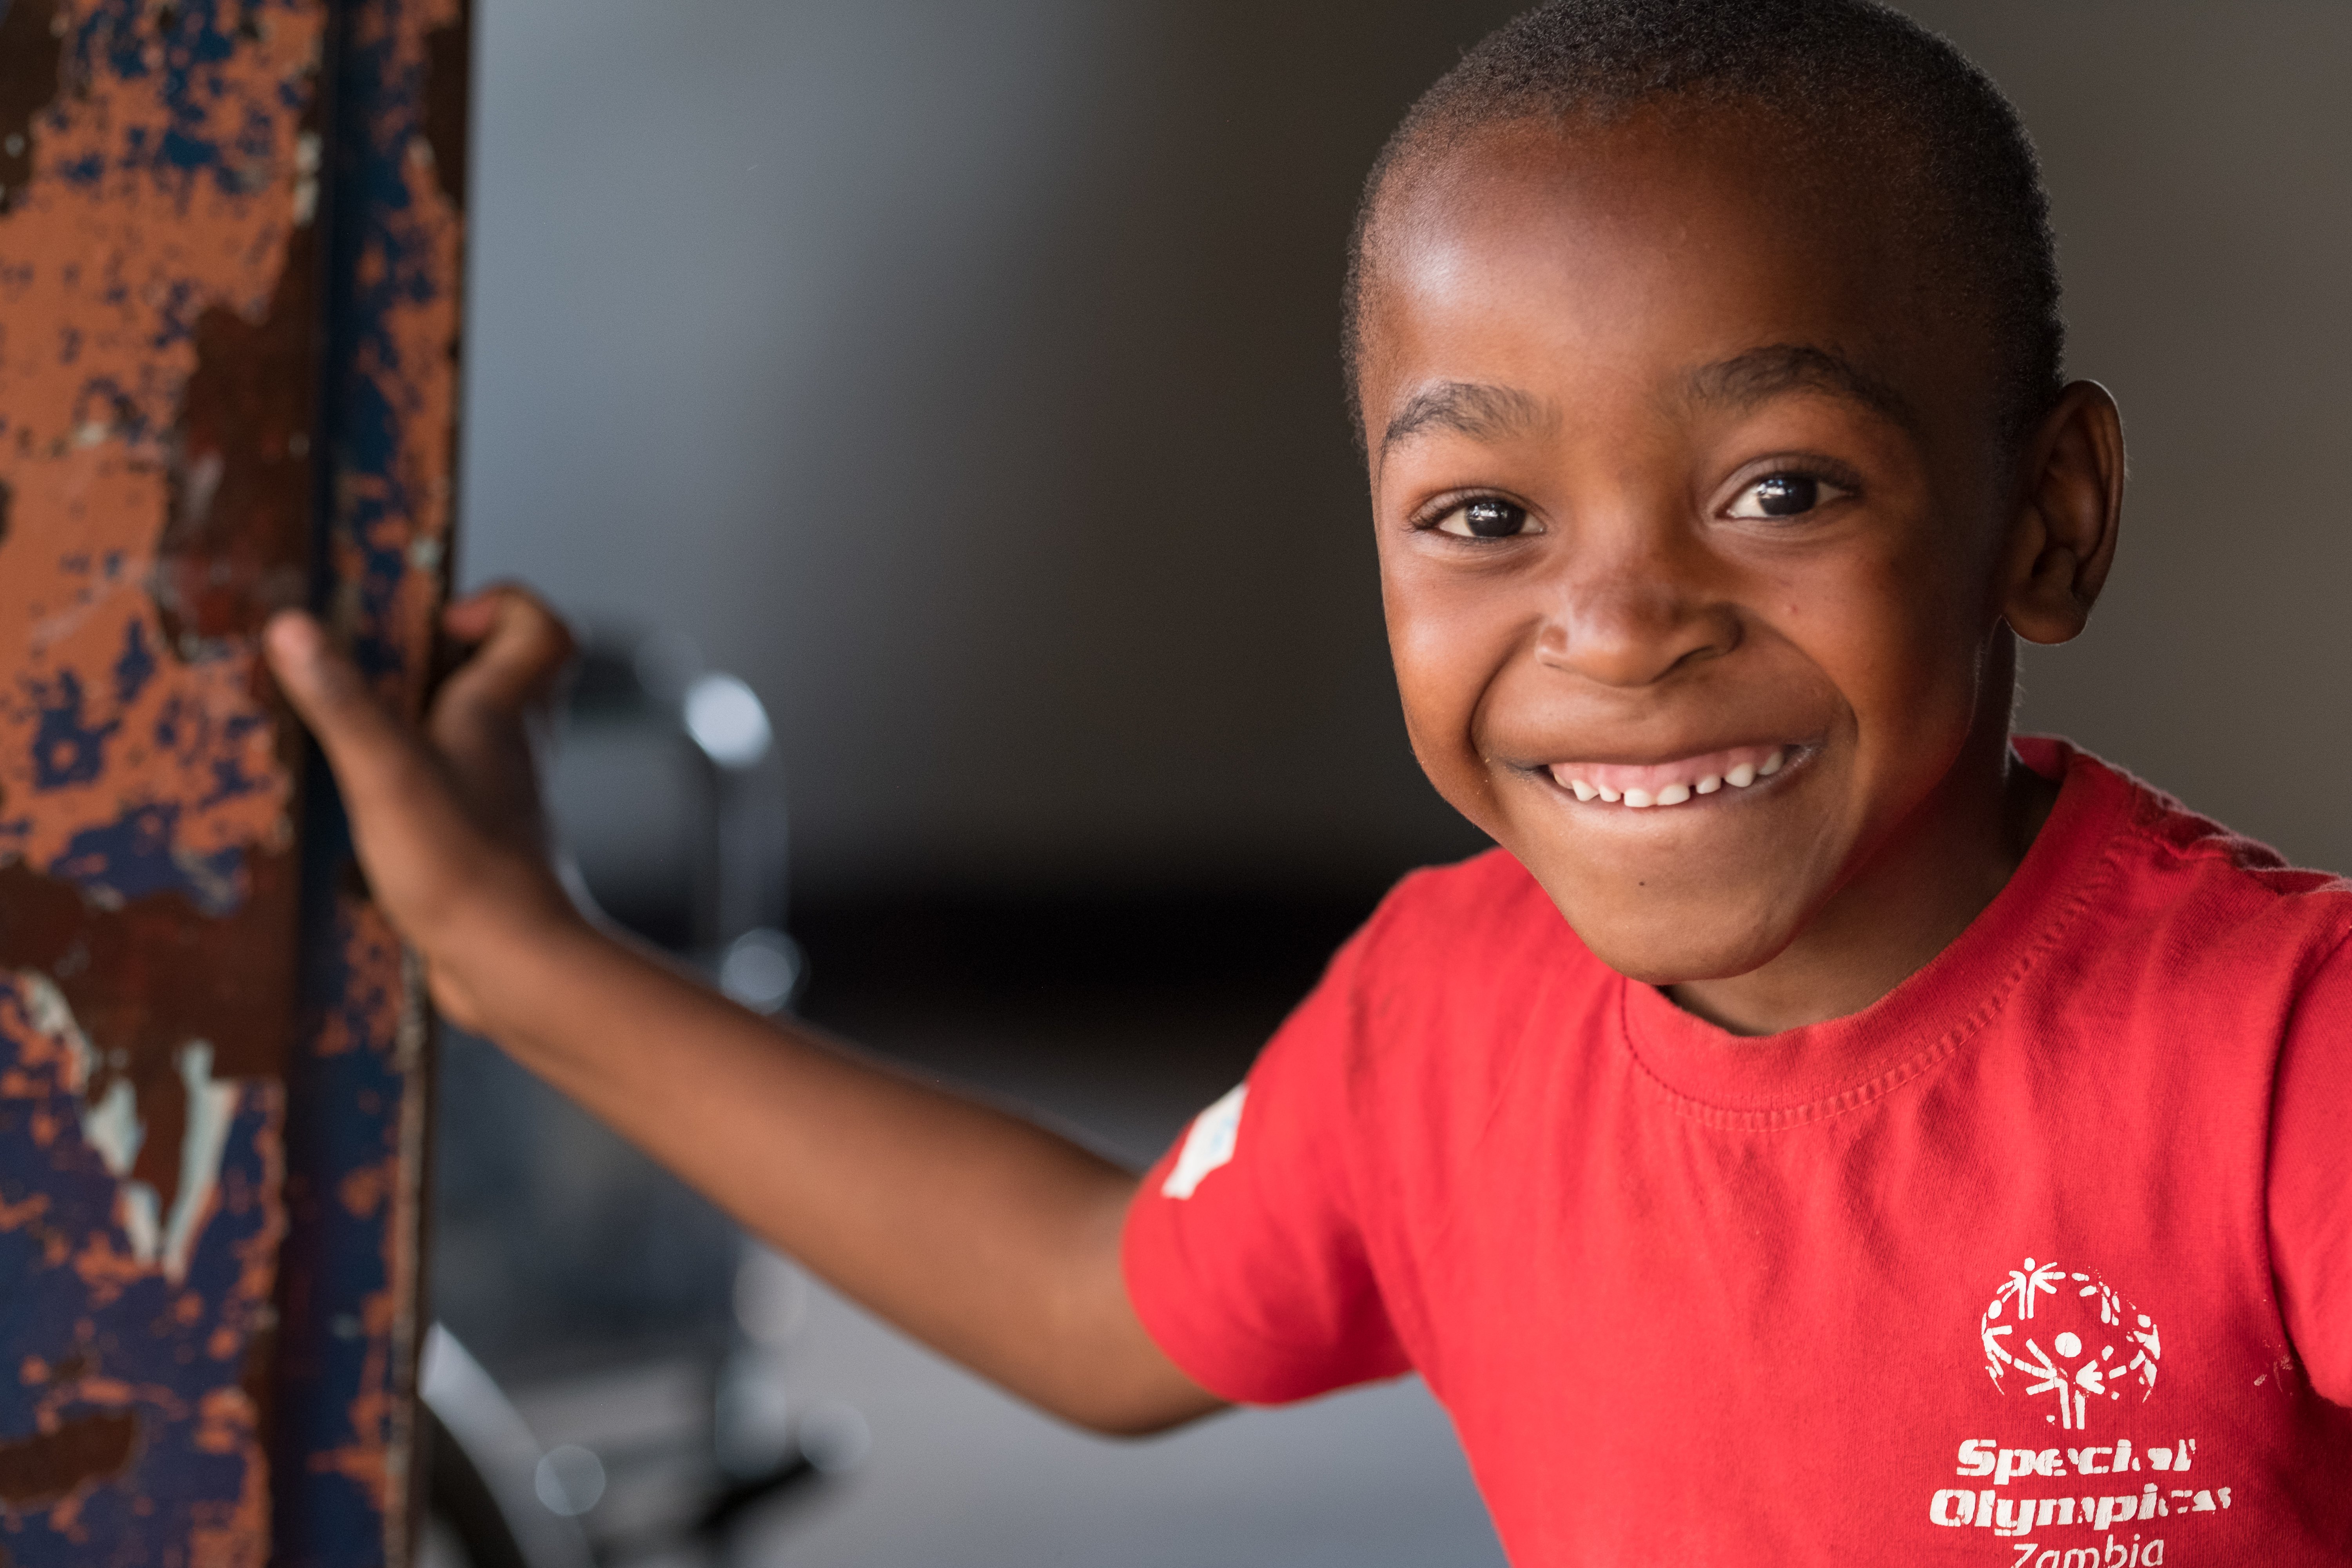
{"points": [[1861, 78]]}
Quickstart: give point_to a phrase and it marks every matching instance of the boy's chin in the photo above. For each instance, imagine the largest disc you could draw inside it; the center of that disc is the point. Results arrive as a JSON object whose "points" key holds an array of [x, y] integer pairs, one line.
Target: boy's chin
{"points": [[1668, 945]]}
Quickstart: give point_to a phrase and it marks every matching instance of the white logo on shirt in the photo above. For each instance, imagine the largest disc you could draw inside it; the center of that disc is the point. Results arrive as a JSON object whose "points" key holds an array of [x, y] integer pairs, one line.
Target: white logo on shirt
{"points": [[1209, 1144], [2071, 1335], [2077, 1347]]}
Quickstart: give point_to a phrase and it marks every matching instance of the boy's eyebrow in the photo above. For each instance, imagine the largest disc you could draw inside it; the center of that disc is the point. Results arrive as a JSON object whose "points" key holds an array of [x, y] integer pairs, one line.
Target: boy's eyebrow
{"points": [[1471, 409], [1750, 378], [1483, 411]]}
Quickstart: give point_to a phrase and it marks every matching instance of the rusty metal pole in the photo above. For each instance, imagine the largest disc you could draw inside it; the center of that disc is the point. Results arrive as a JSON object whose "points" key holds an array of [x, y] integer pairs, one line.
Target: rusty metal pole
{"points": [[230, 238], [352, 1283]]}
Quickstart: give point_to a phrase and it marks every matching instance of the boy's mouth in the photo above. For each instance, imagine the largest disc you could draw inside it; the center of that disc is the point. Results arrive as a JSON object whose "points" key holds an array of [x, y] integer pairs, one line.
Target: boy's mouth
{"points": [[1644, 785]]}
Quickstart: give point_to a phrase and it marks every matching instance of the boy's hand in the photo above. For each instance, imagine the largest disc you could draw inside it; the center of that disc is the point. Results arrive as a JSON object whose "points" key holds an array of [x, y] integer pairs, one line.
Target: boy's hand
{"points": [[447, 820]]}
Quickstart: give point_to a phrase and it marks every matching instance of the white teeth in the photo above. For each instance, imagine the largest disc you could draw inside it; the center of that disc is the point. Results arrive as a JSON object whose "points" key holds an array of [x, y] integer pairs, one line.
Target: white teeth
{"points": [[1741, 777]]}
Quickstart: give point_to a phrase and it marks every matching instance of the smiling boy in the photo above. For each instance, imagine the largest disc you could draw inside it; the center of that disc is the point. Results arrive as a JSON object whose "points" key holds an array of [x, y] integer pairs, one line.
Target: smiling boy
{"points": [[1823, 1130]]}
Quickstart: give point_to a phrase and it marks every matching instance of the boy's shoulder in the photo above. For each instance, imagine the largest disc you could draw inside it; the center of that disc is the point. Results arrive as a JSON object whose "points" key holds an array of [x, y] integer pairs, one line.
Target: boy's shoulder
{"points": [[2181, 881], [1490, 888], [1456, 958]]}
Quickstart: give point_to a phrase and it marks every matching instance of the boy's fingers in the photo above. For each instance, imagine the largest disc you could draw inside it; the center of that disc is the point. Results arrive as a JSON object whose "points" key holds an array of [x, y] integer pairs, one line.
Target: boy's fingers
{"points": [[367, 747], [470, 618], [525, 646]]}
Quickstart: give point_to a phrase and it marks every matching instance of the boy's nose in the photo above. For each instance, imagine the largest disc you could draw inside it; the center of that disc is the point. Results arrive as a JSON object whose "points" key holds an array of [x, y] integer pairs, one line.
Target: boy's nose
{"points": [[1633, 622]]}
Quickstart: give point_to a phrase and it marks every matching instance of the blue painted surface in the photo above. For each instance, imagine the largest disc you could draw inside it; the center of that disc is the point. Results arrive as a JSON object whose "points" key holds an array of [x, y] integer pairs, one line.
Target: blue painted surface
{"points": [[67, 749], [138, 854], [117, 1340], [341, 1393]]}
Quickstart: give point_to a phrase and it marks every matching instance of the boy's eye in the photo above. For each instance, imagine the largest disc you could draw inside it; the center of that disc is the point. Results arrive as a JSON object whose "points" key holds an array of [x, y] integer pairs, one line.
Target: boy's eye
{"points": [[1783, 495], [1484, 518]]}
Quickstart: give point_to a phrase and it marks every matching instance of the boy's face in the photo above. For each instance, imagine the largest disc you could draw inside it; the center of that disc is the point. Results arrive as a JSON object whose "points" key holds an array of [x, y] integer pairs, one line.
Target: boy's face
{"points": [[1687, 495]]}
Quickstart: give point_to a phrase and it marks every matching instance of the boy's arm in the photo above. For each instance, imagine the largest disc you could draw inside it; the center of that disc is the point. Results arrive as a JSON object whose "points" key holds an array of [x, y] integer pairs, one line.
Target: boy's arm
{"points": [[988, 1237]]}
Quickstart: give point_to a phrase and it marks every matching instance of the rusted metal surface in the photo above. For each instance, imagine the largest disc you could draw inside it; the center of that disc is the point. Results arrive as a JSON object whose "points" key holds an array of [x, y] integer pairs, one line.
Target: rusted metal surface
{"points": [[355, 1158], [209, 1161]]}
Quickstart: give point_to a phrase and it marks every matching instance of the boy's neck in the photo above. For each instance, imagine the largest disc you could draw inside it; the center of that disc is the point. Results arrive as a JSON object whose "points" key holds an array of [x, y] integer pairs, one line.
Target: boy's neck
{"points": [[1906, 906]]}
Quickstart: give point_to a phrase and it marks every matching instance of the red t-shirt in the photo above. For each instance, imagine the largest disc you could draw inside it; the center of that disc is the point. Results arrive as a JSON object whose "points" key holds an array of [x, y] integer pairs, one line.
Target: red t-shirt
{"points": [[2044, 1259]]}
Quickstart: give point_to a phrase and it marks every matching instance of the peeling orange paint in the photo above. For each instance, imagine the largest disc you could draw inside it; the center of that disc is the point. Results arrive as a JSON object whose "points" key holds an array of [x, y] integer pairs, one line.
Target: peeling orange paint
{"points": [[377, 1002], [119, 267], [108, 1269], [235, 1535], [158, 297], [157, 434], [225, 1420], [363, 1191]]}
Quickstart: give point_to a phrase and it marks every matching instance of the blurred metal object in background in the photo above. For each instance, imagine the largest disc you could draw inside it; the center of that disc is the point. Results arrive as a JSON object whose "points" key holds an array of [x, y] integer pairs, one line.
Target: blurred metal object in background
{"points": [[667, 792], [481, 1466], [560, 1245], [495, 1498], [564, 1256]]}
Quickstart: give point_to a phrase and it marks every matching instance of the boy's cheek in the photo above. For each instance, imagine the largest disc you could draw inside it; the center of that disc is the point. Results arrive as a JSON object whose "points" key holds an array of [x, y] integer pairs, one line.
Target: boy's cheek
{"points": [[1438, 725], [1446, 665]]}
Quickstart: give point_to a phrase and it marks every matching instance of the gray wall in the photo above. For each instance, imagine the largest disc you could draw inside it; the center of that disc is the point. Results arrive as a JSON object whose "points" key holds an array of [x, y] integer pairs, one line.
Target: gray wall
{"points": [[2200, 158], [963, 375]]}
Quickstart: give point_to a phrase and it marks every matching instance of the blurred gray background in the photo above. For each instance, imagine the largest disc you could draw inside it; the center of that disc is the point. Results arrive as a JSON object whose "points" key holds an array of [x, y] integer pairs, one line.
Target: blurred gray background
{"points": [[962, 375]]}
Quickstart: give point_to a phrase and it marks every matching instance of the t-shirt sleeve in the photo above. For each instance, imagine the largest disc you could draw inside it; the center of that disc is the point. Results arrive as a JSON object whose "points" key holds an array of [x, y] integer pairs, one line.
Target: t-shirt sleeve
{"points": [[2311, 1180], [1244, 1252]]}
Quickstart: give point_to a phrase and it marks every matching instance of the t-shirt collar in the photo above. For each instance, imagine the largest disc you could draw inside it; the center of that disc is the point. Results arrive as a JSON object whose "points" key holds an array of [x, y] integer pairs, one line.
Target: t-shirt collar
{"points": [[1803, 1074]]}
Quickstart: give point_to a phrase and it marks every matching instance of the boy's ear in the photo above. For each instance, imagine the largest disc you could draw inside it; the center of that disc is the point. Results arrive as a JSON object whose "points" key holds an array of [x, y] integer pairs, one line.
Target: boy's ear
{"points": [[2062, 539]]}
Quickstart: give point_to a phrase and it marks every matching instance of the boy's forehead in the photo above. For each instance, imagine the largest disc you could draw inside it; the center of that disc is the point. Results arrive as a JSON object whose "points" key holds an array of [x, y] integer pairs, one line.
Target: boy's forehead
{"points": [[1655, 249]]}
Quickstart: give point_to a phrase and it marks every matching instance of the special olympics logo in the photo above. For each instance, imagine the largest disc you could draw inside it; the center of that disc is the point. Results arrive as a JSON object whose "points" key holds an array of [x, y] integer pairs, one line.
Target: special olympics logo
{"points": [[2071, 1335]]}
